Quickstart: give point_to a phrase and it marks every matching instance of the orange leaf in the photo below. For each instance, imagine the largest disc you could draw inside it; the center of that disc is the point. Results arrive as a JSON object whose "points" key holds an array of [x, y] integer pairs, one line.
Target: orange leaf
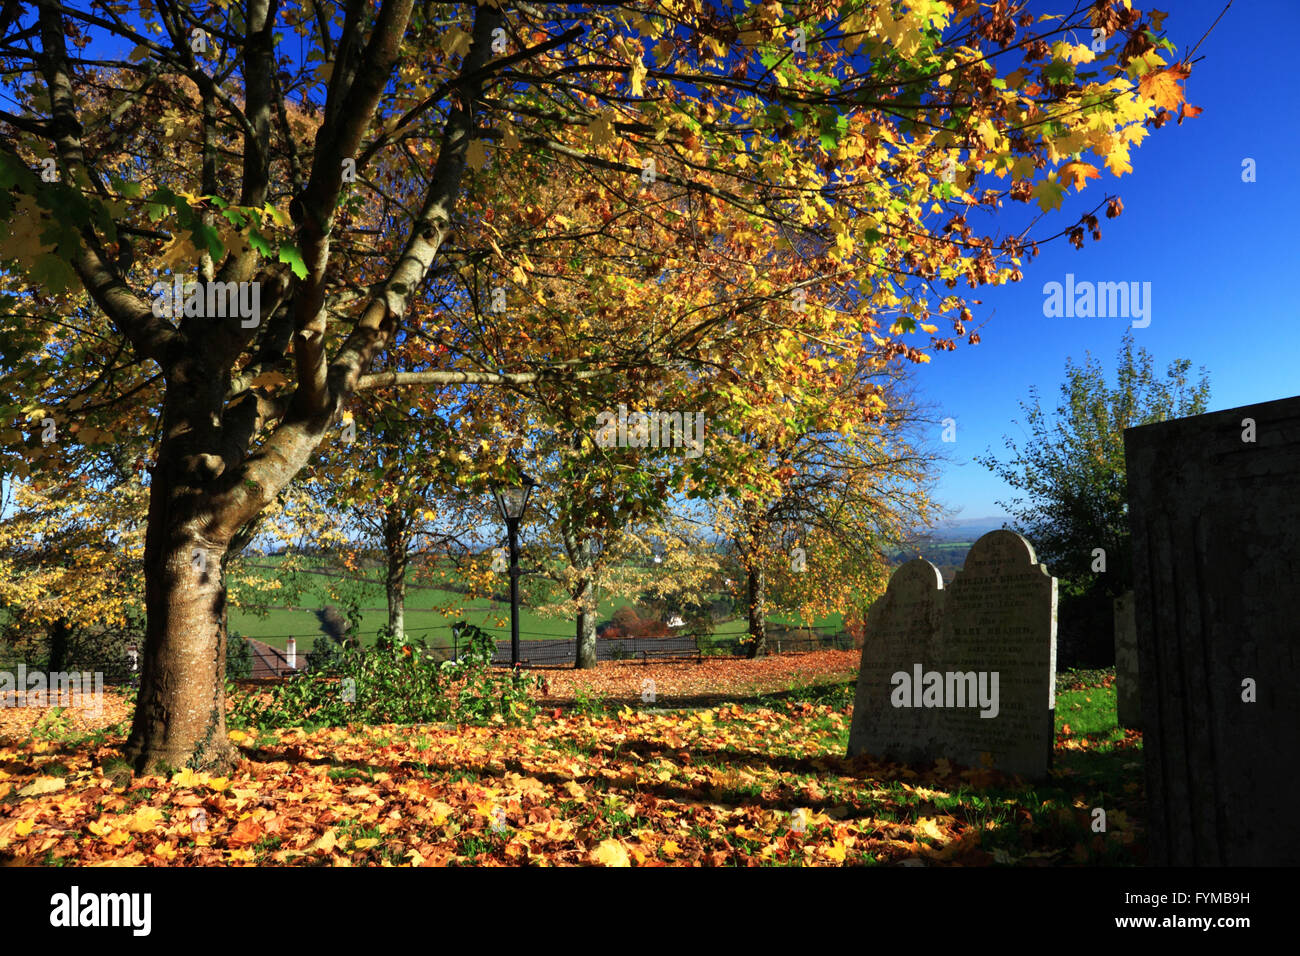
{"points": [[246, 831], [1162, 86], [1075, 173]]}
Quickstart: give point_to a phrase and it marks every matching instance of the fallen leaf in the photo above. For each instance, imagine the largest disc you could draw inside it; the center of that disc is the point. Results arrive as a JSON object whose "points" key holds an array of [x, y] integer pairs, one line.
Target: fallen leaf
{"points": [[42, 785], [611, 853]]}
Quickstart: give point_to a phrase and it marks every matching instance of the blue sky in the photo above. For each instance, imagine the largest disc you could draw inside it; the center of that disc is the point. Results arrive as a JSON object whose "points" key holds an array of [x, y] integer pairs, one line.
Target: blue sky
{"points": [[1218, 253]]}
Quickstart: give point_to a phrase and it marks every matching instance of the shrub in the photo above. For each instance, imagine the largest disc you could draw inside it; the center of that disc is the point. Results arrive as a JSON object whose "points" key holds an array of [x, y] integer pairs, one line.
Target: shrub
{"points": [[399, 682], [239, 657]]}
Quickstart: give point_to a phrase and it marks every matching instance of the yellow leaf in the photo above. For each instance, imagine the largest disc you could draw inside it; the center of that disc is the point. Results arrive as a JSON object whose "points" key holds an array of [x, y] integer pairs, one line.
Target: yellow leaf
{"points": [[1118, 161], [575, 790], [438, 813], [144, 820], [24, 827], [365, 844], [42, 785], [929, 826], [476, 155], [455, 41], [1048, 194], [611, 853], [188, 778], [601, 129]]}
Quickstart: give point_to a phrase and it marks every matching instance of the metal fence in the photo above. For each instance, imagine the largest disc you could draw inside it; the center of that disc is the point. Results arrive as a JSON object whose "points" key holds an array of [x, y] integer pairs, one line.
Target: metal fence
{"points": [[271, 662]]}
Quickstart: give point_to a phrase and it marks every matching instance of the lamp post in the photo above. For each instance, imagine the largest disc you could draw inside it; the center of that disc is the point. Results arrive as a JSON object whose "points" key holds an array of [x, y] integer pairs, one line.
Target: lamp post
{"points": [[511, 501]]}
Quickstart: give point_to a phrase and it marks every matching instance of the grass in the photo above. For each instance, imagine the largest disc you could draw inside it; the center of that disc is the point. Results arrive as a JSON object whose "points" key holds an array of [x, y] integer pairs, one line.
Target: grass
{"points": [[430, 610]]}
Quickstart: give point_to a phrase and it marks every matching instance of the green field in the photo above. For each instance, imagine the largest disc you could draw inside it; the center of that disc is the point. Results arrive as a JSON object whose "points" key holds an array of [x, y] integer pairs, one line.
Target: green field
{"points": [[430, 611]]}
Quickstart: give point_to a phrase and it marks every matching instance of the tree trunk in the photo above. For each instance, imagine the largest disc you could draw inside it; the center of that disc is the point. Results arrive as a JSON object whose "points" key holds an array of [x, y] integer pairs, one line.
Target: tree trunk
{"points": [[59, 646], [586, 626], [581, 559], [180, 716], [395, 583], [757, 611]]}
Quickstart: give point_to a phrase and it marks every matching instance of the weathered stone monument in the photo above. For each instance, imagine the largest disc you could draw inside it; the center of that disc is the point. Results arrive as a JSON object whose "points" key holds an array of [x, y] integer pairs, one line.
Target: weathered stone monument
{"points": [[1214, 509], [966, 673], [902, 627], [1128, 699]]}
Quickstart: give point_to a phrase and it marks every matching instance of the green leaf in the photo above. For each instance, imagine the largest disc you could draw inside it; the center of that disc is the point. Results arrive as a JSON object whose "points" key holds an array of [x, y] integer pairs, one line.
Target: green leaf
{"points": [[264, 246], [291, 254]]}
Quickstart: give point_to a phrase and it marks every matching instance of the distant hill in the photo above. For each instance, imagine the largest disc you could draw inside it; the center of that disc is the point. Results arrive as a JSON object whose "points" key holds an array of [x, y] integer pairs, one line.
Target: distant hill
{"points": [[967, 529], [945, 545]]}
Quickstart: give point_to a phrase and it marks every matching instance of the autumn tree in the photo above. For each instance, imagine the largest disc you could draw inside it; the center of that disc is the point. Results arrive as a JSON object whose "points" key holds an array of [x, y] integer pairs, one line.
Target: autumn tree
{"points": [[162, 143], [1070, 474], [849, 484]]}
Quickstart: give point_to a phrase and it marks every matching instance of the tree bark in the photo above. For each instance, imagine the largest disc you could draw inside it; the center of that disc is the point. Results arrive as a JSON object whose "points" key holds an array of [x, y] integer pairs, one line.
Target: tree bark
{"points": [[581, 559], [180, 717], [396, 586], [757, 611], [220, 459], [395, 549], [586, 625]]}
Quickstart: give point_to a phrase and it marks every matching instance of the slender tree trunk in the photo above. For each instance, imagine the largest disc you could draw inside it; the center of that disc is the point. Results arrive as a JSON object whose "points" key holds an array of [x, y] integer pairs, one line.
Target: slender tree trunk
{"points": [[396, 585], [757, 611], [586, 625], [581, 560], [395, 582]]}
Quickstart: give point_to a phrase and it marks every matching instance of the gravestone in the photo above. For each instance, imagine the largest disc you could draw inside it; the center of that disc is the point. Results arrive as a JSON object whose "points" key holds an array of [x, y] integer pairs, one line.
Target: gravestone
{"points": [[965, 673], [1128, 699], [1214, 510], [1002, 619], [902, 627]]}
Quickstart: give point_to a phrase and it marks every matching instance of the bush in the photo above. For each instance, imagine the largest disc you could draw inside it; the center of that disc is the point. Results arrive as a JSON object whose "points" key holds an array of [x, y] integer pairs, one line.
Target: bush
{"points": [[48, 647], [239, 657], [399, 682], [627, 621], [636, 622], [325, 656]]}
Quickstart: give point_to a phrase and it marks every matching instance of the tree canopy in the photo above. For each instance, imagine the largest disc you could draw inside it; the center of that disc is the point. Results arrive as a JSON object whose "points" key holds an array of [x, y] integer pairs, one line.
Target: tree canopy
{"points": [[225, 222]]}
